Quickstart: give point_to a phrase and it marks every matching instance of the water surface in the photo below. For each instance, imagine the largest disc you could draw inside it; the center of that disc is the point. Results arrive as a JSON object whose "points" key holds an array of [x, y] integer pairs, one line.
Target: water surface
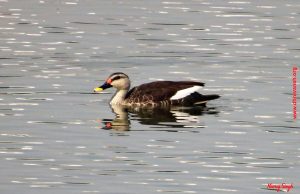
{"points": [[53, 137]]}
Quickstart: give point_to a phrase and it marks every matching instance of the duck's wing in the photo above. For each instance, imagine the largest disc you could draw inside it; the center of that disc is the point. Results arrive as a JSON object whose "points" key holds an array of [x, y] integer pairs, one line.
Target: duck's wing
{"points": [[163, 91]]}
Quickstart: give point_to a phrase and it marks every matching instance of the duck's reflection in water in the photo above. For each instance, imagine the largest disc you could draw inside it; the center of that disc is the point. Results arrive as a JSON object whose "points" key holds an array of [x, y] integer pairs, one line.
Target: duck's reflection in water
{"points": [[161, 117]]}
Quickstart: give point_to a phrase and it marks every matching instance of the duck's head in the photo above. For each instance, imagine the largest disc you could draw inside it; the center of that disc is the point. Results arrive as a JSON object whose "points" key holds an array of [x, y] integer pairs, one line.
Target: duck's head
{"points": [[117, 80]]}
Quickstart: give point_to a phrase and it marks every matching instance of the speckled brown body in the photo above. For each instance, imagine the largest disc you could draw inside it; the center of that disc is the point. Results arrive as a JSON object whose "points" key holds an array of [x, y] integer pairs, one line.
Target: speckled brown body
{"points": [[159, 94]]}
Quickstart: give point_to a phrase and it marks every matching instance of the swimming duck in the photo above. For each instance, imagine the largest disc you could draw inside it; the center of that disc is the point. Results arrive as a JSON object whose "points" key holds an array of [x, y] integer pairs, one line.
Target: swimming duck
{"points": [[155, 94]]}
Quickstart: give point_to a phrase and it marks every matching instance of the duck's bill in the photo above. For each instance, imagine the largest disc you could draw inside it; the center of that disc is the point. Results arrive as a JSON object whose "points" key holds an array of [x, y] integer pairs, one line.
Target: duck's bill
{"points": [[103, 87]]}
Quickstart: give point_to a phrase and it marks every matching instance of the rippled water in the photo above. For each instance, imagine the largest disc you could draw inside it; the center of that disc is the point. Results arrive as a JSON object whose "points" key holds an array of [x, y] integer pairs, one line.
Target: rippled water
{"points": [[56, 136]]}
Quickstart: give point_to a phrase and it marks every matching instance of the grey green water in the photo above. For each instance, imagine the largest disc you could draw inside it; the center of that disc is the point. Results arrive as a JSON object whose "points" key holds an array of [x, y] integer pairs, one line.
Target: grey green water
{"points": [[53, 137]]}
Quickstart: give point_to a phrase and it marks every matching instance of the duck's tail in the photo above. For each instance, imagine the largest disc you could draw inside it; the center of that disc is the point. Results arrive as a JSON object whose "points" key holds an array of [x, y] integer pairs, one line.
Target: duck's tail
{"points": [[202, 99]]}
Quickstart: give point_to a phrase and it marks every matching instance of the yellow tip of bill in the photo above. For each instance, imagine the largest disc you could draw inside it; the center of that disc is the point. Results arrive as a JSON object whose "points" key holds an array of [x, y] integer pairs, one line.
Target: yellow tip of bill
{"points": [[98, 89]]}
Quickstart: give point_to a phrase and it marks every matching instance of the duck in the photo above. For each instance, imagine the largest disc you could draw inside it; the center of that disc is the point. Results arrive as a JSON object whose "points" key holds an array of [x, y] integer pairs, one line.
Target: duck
{"points": [[155, 94]]}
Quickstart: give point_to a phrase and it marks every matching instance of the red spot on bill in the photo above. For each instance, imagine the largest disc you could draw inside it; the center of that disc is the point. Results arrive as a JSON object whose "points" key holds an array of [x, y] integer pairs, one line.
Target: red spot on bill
{"points": [[109, 81], [280, 187]]}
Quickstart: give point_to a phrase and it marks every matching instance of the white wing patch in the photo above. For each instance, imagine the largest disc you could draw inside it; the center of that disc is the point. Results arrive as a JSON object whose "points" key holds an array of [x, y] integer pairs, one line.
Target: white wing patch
{"points": [[185, 92]]}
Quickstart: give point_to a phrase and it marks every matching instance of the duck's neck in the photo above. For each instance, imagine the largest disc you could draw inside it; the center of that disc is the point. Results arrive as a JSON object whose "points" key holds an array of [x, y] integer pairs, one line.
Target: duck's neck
{"points": [[119, 97]]}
